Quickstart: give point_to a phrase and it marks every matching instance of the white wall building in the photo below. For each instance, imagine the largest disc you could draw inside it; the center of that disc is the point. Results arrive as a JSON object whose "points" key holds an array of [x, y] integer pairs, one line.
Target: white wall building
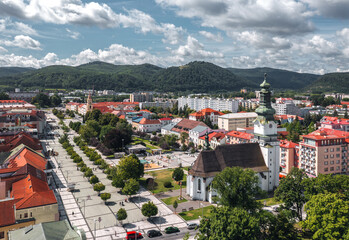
{"points": [[217, 104]]}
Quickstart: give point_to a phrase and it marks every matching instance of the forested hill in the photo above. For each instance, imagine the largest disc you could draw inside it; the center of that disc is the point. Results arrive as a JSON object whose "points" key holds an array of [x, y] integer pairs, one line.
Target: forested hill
{"points": [[331, 82], [280, 79], [193, 77]]}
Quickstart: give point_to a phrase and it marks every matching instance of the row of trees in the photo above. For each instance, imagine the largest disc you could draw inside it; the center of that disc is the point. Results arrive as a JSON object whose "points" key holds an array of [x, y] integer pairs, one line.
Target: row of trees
{"points": [[43, 100]]}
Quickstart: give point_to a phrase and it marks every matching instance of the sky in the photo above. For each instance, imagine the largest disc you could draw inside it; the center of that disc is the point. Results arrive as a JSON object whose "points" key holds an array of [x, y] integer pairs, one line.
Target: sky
{"points": [[299, 35]]}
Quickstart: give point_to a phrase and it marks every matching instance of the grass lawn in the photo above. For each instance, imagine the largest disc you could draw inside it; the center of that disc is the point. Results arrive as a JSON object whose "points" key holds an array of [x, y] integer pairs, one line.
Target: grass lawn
{"points": [[269, 201], [147, 142], [170, 200], [194, 214], [164, 176]]}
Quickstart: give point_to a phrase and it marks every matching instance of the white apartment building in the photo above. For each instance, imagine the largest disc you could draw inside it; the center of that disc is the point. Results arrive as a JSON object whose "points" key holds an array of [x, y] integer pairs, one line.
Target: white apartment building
{"points": [[288, 108], [217, 104]]}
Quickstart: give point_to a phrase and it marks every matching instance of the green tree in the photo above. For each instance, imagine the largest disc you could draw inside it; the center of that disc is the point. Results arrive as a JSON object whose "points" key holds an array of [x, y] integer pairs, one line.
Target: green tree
{"points": [[55, 100], [4, 96], [88, 173], [327, 216], [178, 175], [311, 127], [291, 191], [149, 209], [98, 187], [175, 205], [121, 215], [237, 187], [94, 115], [42, 100], [229, 223], [130, 167], [104, 131], [105, 196], [131, 187]]}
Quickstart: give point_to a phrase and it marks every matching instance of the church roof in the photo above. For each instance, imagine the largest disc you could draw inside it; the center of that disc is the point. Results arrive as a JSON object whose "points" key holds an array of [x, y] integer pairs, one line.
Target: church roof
{"points": [[211, 162]]}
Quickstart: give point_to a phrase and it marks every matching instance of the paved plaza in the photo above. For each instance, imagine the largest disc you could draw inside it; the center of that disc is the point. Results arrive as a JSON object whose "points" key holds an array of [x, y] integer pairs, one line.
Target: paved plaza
{"points": [[85, 209]]}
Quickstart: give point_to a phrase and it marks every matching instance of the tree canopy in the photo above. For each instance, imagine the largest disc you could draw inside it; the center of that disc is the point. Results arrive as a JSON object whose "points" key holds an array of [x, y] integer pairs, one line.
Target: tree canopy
{"points": [[149, 209]]}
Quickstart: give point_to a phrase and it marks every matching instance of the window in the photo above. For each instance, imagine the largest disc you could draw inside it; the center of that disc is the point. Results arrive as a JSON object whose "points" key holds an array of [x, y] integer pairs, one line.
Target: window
{"points": [[331, 149], [2, 235], [25, 215], [326, 150], [20, 215], [199, 185], [31, 214], [326, 156], [337, 168], [338, 149], [332, 156], [332, 162], [326, 169], [337, 155], [332, 169], [326, 162], [338, 161]]}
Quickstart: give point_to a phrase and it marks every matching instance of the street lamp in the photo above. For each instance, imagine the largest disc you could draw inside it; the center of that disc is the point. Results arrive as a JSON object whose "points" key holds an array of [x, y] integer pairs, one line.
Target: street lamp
{"points": [[95, 220]]}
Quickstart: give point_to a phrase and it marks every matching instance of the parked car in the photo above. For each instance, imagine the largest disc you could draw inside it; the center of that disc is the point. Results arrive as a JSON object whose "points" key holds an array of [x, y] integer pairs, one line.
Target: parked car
{"points": [[192, 226], [154, 233], [171, 230], [134, 235]]}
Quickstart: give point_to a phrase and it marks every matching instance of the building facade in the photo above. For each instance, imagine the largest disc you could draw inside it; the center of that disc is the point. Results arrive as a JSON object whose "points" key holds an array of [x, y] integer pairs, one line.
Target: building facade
{"points": [[232, 121], [217, 104]]}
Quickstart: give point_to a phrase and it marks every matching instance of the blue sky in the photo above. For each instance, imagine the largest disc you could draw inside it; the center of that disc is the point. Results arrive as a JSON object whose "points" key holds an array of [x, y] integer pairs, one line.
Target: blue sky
{"points": [[299, 35]]}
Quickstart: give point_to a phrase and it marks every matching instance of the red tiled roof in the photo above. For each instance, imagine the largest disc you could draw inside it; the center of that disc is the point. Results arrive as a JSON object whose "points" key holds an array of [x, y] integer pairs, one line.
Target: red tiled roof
{"points": [[185, 125], [8, 170], [145, 110], [7, 216], [20, 138], [165, 119], [27, 156], [288, 144], [149, 121], [325, 133], [345, 103], [216, 135], [12, 101], [205, 112], [238, 134], [284, 117], [32, 192]]}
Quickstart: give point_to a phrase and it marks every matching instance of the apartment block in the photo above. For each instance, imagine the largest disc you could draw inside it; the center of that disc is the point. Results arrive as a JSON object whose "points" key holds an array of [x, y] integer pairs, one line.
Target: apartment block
{"points": [[232, 121], [217, 104]]}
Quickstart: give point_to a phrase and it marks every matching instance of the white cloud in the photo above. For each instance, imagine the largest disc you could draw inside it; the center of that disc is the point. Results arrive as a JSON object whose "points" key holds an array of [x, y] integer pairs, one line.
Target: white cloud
{"points": [[7, 26], [72, 34], [280, 17], [211, 36], [2, 49], [23, 42], [263, 41], [319, 46]]}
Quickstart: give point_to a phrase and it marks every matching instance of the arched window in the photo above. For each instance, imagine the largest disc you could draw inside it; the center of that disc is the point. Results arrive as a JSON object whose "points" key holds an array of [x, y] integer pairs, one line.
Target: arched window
{"points": [[199, 184]]}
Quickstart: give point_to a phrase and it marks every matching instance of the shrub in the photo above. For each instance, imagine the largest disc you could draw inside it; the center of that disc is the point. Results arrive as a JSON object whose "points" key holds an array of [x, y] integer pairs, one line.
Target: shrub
{"points": [[105, 196], [81, 164], [88, 173], [98, 187], [167, 184], [84, 168], [94, 179], [98, 162]]}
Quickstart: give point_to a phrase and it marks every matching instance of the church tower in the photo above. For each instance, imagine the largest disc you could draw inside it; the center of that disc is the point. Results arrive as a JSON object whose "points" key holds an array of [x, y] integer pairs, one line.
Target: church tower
{"points": [[265, 132], [89, 105]]}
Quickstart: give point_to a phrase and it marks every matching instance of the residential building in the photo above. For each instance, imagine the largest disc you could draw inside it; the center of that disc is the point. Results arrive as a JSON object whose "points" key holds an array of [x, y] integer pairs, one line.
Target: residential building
{"points": [[183, 125], [252, 103], [148, 125], [232, 121], [6, 105], [207, 113], [196, 133], [163, 105], [141, 97], [214, 138], [217, 104], [289, 153], [72, 106], [26, 96], [324, 151], [7, 143], [286, 107], [335, 123], [59, 230], [165, 121], [237, 137]]}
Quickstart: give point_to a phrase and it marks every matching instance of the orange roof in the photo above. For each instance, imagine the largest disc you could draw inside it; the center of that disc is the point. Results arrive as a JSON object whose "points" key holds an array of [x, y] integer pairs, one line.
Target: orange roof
{"points": [[288, 144], [206, 112], [18, 139], [13, 101], [149, 121], [345, 103], [284, 117], [325, 133], [216, 135], [32, 192], [27, 156], [7, 216], [145, 110], [238, 134]]}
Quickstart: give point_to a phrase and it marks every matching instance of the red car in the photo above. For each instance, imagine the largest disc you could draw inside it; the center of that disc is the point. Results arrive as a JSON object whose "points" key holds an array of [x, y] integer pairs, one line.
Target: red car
{"points": [[133, 235]]}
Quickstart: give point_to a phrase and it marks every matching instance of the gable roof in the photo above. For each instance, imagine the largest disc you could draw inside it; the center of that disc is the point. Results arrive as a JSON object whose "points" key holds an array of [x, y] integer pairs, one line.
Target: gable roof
{"points": [[32, 192], [25, 156], [18, 139], [200, 129], [242, 135], [149, 121], [185, 125], [211, 162], [217, 135], [7, 216]]}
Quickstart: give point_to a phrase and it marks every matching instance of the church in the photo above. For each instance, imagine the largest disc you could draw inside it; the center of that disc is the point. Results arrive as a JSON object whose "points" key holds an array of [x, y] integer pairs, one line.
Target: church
{"points": [[261, 156]]}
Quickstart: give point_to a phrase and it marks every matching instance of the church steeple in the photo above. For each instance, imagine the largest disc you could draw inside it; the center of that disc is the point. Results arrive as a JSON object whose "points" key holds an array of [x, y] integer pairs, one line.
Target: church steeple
{"points": [[89, 105], [265, 111]]}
